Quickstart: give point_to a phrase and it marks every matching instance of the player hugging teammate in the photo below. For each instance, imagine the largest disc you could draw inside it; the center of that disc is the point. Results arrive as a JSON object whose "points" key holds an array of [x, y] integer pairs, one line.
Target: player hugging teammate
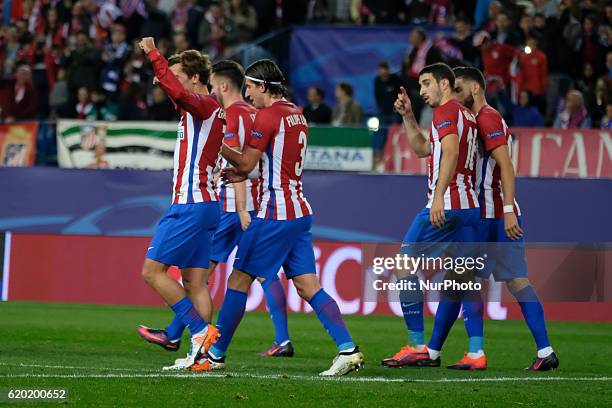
{"points": [[469, 167], [190, 235]]}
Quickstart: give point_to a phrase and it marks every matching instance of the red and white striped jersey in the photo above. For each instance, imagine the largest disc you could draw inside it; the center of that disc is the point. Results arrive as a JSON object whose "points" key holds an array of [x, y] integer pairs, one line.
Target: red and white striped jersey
{"points": [[239, 119], [493, 133], [280, 131], [199, 137], [454, 118]]}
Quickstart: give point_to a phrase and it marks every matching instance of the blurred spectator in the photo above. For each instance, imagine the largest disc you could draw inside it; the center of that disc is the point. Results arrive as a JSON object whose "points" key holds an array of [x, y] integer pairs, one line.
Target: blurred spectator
{"points": [[606, 121], [504, 33], [55, 30], [533, 75], [157, 23], [421, 54], [440, 12], [574, 114], [317, 111], [496, 61], [115, 55], [418, 12], [602, 97], [21, 100], [10, 47], [539, 27], [525, 29], [195, 16], [84, 106], [132, 105], [136, 69], [608, 14], [386, 88], [378, 11], [488, 24], [525, 114], [244, 17], [463, 40], [586, 84], [217, 30], [341, 11], [179, 42], [82, 64], [609, 65], [589, 40], [162, 108], [59, 97], [347, 111], [178, 18], [103, 109], [548, 8]]}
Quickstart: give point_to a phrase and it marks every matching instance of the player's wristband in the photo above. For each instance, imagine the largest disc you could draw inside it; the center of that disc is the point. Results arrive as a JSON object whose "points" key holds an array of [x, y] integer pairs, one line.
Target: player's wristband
{"points": [[508, 209]]}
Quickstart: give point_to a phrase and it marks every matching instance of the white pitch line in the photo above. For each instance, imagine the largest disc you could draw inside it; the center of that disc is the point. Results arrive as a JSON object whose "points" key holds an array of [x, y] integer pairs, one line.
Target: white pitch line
{"points": [[76, 367], [311, 378]]}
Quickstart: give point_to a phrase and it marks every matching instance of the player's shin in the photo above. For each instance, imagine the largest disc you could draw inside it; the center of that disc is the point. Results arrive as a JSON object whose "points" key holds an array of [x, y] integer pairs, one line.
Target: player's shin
{"points": [[533, 312], [230, 315], [277, 306], [175, 329], [447, 313], [190, 317], [473, 311], [328, 312], [411, 302]]}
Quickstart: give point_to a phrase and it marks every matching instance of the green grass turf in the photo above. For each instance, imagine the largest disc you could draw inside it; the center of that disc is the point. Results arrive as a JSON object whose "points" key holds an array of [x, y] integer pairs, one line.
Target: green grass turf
{"points": [[86, 340]]}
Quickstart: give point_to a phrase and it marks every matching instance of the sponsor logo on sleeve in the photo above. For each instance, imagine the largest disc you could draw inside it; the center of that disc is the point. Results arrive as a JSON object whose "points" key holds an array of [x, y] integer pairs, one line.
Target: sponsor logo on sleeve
{"points": [[494, 134], [228, 135], [443, 124], [256, 133]]}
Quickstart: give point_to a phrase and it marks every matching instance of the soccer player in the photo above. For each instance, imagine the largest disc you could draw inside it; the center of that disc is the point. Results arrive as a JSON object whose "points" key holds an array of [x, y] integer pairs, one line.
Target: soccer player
{"points": [[183, 236], [240, 201], [281, 234], [500, 226], [451, 214], [238, 204]]}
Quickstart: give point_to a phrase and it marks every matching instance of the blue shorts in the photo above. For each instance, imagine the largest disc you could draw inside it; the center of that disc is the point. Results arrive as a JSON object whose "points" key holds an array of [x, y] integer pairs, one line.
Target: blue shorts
{"points": [[505, 257], [183, 236], [269, 244], [227, 235], [423, 238]]}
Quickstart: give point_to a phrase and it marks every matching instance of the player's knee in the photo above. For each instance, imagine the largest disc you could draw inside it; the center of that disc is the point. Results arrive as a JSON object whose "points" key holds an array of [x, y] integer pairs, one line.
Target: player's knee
{"points": [[307, 287], [149, 271], [517, 284], [239, 281]]}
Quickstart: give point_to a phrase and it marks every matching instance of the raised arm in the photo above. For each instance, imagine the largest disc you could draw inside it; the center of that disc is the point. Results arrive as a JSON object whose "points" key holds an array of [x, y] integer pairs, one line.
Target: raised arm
{"points": [[199, 106], [417, 141]]}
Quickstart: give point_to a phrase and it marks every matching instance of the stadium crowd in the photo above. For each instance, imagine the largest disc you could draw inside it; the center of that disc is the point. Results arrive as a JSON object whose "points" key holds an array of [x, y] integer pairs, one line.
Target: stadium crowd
{"points": [[547, 62]]}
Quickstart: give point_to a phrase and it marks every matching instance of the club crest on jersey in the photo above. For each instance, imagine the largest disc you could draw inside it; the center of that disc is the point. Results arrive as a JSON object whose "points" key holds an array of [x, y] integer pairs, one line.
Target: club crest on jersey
{"points": [[180, 134], [443, 124], [493, 135], [256, 133]]}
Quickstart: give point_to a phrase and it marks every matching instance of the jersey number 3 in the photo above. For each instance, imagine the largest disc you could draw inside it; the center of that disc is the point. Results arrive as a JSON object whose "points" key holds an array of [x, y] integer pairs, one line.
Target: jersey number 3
{"points": [[299, 165]]}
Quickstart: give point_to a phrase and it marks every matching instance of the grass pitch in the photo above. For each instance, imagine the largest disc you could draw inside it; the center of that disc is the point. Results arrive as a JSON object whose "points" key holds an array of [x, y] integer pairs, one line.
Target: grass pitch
{"points": [[94, 351]]}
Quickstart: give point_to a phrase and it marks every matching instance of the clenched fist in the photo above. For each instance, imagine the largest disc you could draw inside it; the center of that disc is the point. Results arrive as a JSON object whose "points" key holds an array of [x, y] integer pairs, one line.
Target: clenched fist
{"points": [[147, 44]]}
